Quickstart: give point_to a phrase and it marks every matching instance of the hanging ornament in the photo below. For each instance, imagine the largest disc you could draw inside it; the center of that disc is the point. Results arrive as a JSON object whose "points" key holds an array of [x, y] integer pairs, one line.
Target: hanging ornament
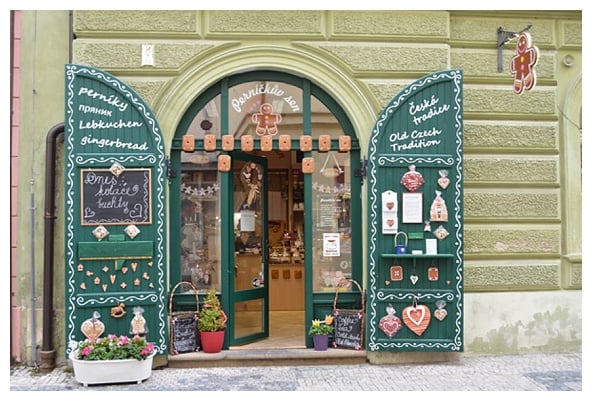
{"points": [[118, 311], [433, 273], [251, 177], [390, 324], [441, 232], [440, 313], [116, 169], [413, 277], [417, 317], [412, 180], [100, 232], [443, 181], [332, 171], [428, 226], [438, 211], [138, 323], [93, 328], [132, 231], [397, 273]]}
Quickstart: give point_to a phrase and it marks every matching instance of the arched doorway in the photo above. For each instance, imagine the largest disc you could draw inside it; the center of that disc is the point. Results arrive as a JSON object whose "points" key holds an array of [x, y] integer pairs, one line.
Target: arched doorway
{"points": [[276, 251]]}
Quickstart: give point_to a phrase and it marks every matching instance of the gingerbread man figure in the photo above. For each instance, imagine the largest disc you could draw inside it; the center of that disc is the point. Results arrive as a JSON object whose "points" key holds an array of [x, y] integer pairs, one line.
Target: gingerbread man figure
{"points": [[266, 120], [523, 63]]}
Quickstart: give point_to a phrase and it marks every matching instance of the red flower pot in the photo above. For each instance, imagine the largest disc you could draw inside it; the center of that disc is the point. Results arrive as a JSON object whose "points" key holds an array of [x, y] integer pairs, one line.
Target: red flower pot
{"points": [[212, 341]]}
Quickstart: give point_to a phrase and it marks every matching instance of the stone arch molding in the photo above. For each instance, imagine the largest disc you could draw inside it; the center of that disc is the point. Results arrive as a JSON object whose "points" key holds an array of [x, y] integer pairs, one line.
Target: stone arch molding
{"points": [[204, 71]]}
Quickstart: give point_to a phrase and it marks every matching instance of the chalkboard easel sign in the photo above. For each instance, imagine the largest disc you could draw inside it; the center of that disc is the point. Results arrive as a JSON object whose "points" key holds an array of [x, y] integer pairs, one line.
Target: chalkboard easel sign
{"points": [[183, 324], [107, 198], [349, 326], [184, 334], [349, 323]]}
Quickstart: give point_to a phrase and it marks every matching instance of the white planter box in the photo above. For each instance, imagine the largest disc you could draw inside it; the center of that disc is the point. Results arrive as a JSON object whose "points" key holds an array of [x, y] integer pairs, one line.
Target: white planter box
{"points": [[117, 371]]}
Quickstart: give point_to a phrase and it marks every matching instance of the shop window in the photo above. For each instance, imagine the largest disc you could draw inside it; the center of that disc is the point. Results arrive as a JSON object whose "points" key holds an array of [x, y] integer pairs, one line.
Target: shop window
{"points": [[200, 222]]}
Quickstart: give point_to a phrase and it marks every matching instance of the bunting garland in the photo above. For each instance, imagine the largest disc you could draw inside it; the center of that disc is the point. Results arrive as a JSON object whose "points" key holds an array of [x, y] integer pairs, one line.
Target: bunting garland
{"points": [[200, 192]]}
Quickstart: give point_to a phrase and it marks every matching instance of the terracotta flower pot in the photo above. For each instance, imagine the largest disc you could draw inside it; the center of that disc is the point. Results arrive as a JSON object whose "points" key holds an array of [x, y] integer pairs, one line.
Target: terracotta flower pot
{"points": [[212, 341]]}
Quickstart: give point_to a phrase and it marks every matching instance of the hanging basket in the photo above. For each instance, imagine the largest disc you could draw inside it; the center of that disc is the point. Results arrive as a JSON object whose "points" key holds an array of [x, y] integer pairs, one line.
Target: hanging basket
{"points": [[349, 323], [184, 333]]}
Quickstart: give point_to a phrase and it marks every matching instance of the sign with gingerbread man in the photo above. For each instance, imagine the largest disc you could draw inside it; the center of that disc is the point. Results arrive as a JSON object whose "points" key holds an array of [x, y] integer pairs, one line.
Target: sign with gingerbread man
{"points": [[523, 63], [266, 120]]}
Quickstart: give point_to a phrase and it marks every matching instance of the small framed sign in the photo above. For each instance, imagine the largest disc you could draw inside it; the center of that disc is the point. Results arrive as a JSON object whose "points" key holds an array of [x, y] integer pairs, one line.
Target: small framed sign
{"points": [[412, 207]]}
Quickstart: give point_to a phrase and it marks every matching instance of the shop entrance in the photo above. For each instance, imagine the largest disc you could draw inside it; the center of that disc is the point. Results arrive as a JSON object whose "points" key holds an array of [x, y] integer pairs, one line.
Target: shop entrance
{"points": [[274, 250], [249, 297], [269, 209]]}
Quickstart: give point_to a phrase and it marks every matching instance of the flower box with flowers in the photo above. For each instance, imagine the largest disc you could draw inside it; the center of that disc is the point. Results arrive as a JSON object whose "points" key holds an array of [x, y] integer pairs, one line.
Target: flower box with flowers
{"points": [[112, 359]]}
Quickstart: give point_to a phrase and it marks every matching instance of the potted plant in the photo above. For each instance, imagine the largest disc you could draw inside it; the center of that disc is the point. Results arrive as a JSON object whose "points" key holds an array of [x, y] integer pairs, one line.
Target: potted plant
{"points": [[320, 330], [211, 323], [112, 359]]}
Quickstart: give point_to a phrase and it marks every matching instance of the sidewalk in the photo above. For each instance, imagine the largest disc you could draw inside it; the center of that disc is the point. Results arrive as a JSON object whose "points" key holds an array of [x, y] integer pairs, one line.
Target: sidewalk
{"points": [[527, 372]]}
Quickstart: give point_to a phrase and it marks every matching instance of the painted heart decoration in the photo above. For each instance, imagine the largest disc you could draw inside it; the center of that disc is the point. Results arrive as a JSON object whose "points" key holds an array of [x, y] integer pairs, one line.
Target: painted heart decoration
{"points": [[390, 222], [390, 325], [417, 318], [390, 205]]}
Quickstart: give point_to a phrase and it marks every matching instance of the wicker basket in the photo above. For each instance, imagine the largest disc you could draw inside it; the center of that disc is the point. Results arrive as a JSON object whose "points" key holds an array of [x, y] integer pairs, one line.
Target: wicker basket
{"points": [[349, 323], [184, 333]]}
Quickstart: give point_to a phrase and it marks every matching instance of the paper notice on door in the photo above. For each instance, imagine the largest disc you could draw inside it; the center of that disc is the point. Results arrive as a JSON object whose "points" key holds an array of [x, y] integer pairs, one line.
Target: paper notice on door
{"points": [[331, 245], [247, 220]]}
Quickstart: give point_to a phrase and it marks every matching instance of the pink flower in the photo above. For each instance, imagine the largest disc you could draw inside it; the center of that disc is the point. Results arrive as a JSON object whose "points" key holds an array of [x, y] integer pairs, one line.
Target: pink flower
{"points": [[123, 340]]}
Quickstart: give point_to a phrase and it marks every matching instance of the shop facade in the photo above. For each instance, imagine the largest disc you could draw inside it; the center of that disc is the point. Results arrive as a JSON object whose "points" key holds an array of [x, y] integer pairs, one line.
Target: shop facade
{"points": [[283, 216]]}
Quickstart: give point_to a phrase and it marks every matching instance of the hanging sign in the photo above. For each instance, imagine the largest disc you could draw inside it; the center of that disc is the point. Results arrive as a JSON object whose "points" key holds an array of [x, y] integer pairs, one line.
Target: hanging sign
{"points": [[523, 63]]}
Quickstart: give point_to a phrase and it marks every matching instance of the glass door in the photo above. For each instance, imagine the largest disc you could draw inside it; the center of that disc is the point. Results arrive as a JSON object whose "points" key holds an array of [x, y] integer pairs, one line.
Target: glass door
{"points": [[249, 295]]}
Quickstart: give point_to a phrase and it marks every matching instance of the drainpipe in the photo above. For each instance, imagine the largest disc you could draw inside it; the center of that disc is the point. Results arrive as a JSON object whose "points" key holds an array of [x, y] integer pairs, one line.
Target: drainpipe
{"points": [[48, 353]]}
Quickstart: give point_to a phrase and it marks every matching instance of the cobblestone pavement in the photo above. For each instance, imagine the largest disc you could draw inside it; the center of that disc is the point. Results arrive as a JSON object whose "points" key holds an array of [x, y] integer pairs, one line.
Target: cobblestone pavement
{"points": [[528, 372]]}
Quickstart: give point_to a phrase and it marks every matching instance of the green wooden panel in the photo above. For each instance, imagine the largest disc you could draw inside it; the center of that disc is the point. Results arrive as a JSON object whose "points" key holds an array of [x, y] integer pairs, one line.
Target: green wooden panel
{"points": [[115, 208], [417, 139]]}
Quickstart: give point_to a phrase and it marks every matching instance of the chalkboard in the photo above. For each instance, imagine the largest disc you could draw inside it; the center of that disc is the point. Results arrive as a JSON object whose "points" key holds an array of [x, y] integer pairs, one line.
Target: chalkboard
{"points": [[349, 327], [115, 199], [184, 334]]}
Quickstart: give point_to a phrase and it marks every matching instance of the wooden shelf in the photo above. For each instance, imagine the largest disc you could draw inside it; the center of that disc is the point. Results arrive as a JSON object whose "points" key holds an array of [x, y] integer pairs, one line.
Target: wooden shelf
{"points": [[411, 256]]}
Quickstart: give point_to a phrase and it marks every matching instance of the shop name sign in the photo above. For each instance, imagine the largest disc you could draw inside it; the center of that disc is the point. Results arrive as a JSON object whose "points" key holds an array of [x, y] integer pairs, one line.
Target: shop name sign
{"points": [[105, 115], [420, 111], [241, 100]]}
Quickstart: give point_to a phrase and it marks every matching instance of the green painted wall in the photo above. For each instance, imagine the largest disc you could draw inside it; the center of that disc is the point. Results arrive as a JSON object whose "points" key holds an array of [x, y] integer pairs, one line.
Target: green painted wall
{"points": [[522, 210], [45, 49]]}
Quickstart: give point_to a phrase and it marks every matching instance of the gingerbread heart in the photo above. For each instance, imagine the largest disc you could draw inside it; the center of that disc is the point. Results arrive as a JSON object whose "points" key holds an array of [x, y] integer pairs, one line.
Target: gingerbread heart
{"points": [[417, 318], [390, 325], [443, 182], [440, 314]]}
